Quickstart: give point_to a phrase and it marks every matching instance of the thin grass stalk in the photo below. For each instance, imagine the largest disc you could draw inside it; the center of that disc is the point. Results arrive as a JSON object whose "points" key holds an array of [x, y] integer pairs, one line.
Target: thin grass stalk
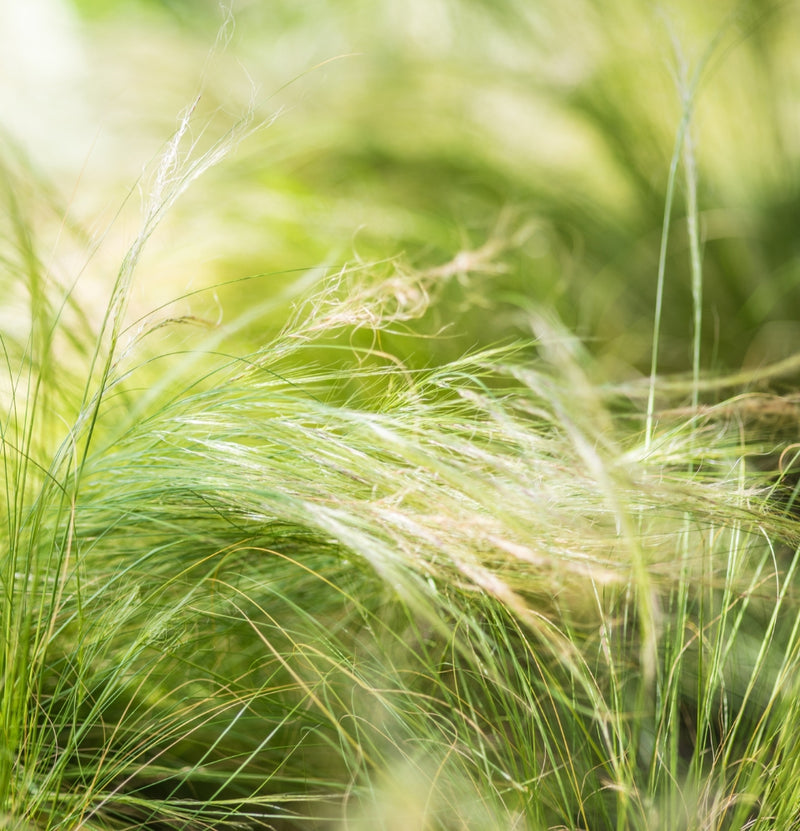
{"points": [[690, 170], [662, 268], [682, 149], [687, 88]]}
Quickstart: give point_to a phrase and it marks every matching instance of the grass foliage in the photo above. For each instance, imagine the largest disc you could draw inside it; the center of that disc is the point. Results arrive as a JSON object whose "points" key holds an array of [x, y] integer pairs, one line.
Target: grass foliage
{"points": [[307, 565]]}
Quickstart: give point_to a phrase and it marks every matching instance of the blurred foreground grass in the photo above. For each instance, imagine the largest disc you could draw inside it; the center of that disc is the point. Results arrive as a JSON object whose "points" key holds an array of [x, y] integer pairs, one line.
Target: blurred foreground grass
{"points": [[338, 491]]}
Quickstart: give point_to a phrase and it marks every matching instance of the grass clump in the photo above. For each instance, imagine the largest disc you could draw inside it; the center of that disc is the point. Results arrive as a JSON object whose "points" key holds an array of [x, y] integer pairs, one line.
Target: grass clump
{"points": [[299, 569]]}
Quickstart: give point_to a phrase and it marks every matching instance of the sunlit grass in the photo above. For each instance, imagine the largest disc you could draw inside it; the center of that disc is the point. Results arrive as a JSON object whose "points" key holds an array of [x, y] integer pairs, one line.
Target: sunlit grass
{"points": [[302, 548]]}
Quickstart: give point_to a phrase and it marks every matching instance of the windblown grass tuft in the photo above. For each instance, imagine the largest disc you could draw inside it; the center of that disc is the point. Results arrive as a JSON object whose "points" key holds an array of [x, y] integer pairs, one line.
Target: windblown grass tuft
{"points": [[303, 574]]}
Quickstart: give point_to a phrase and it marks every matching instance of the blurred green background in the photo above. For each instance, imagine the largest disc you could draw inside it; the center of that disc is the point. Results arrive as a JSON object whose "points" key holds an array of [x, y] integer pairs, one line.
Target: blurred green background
{"points": [[422, 128]]}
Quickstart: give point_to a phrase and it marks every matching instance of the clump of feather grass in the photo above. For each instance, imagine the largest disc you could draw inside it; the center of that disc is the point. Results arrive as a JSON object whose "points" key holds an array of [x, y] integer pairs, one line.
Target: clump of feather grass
{"points": [[266, 588]]}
